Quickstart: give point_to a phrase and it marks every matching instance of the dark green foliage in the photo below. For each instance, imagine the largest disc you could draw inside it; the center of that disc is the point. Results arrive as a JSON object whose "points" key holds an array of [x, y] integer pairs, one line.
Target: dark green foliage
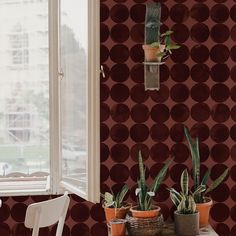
{"points": [[200, 184], [144, 193], [115, 201], [184, 201]]}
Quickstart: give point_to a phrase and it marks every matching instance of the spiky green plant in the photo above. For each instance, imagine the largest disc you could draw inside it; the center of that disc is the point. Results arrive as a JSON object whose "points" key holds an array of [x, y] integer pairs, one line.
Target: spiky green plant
{"points": [[199, 196], [184, 201], [144, 192], [115, 201]]}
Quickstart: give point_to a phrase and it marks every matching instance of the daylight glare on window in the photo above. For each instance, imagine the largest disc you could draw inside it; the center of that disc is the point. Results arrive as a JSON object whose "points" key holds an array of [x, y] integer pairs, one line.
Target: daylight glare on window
{"points": [[74, 111], [24, 87]]}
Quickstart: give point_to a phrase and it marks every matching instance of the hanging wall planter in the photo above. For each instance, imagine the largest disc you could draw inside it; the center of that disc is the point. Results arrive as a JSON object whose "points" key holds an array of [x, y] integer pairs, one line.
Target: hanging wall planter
{"points": [[151, 52], [157, 47]]}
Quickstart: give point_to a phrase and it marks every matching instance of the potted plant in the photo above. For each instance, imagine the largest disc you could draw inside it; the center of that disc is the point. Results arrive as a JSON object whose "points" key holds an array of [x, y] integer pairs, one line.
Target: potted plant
{"points": [[203, 203], [114, 206], [186, 217], [159, 51], [145, 209]]}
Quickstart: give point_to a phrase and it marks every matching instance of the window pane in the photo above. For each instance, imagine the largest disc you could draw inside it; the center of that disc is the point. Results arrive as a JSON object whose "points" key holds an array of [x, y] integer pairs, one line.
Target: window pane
{"points": [[24, 87], [74, 91]]}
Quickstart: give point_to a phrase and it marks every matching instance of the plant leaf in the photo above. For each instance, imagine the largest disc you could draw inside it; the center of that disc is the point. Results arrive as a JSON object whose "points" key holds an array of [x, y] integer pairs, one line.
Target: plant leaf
{"points": [[175, 196], [167, 33], [137, 191], [197, 157], [218, 181], [205, 177], [184, 182], [151, 194], [172, 46], [159, 178], [142, 185], [182, 205], [108, 199], [141, 171], [120, 196], [116, 200], [194, 149], [155, 45], [200, 189], [167, 40], [191, 205]]}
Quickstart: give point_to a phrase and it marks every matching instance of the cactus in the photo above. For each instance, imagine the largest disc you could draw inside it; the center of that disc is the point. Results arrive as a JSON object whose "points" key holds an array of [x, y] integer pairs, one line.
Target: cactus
{"points": [[115, 201], [198, 184], [184, 201], [144, 193]]}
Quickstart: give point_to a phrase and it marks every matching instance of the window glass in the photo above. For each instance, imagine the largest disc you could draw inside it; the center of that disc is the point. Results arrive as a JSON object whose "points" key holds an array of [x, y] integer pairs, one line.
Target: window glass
{"points": [[24, 87], [74, 53]]}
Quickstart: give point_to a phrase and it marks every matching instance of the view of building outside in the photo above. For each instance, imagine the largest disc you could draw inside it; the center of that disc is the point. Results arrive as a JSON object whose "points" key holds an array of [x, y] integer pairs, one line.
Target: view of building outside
{"points": [[74, 28], [24, 87]]}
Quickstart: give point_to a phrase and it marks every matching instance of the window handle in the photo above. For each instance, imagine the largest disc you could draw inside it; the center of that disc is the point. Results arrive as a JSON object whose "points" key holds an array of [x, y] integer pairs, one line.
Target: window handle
{"points": [[102, 71], [61, 74]]}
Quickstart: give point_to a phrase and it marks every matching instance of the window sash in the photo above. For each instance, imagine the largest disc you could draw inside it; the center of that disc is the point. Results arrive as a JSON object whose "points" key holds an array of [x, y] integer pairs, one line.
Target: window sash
{"points": [[93, 64], [53, 183]]}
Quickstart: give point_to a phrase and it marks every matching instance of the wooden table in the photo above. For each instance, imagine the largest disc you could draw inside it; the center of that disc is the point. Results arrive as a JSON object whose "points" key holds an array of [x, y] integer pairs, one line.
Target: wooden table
{"points": [[168, 230]]}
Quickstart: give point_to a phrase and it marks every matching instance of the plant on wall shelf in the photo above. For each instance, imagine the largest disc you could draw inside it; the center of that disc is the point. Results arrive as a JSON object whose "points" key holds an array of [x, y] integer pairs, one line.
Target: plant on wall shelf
{"points": [[160, 50], [203, 203], [164, 46]]}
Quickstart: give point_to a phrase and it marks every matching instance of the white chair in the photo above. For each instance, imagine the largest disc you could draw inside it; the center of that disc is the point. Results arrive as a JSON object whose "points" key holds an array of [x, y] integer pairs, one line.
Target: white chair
{"points": [[46, 213]]}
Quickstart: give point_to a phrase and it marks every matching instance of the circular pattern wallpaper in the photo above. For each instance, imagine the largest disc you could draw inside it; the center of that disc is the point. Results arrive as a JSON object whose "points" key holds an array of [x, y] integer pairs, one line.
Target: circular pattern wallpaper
{"points": [[197, 90]]}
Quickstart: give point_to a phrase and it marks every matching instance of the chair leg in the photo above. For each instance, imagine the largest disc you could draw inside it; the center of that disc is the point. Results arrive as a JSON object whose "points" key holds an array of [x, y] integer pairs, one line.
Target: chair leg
{"points": [[61, 222], [36, 223]]}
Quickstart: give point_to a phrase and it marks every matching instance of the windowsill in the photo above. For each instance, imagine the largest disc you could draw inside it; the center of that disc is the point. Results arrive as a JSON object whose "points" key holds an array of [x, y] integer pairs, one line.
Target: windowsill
{"points": [[21, 186]]}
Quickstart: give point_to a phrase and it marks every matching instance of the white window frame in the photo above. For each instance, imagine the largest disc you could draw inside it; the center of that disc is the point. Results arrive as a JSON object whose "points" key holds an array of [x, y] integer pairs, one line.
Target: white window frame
{"points": [[34, 186]]}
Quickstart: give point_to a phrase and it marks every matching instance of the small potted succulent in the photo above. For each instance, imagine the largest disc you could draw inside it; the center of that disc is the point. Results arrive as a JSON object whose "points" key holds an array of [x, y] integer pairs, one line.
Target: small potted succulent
{"points": [[186, 217], [145, 209], [159, 51], [203, 203], [114, 206]]}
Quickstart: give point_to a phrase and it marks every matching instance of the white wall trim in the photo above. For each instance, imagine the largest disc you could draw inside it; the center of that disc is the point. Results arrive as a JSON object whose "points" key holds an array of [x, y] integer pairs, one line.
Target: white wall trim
{"points": [[94, 106], [54, 94]]}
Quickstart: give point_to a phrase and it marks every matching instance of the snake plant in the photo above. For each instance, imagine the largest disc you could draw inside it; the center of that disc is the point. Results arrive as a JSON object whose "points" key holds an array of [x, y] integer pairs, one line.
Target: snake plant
{"points": [[145, 193], [184, 200], [115, 201], [200, 183]]}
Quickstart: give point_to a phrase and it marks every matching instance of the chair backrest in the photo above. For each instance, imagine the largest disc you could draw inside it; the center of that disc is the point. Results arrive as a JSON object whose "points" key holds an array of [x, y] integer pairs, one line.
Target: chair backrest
{"points": [[46, 213]]}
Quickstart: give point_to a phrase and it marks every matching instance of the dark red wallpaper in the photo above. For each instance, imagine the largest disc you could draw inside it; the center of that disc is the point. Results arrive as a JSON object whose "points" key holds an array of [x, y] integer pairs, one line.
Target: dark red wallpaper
{"points": [[197, 90]]}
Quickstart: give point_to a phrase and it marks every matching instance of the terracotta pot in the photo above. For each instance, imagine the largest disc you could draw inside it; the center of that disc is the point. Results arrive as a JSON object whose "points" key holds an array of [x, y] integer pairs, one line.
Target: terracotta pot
{"points": [[117, 227], [204, 211], [186, 224], [154, 212], [151, 53], [116, 213]]}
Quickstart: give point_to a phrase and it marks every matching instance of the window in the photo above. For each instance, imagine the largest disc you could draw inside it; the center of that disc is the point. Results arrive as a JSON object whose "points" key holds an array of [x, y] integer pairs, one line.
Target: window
{"points": [[19, 125], [49, 121], [19, 44]]}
